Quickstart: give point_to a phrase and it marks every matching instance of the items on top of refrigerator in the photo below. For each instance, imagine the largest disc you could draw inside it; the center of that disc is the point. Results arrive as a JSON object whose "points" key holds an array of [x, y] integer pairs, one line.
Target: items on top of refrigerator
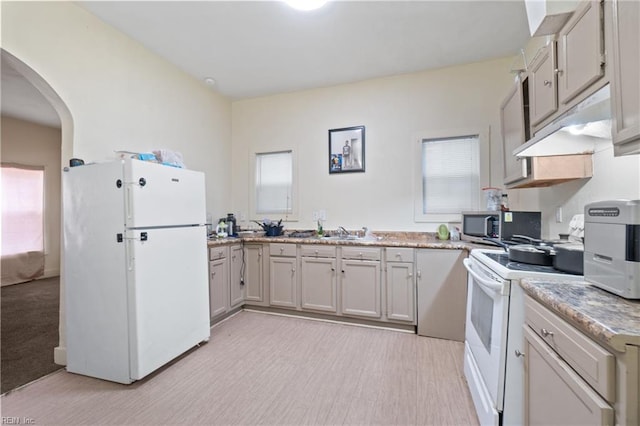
{"points": [[165, 157]]}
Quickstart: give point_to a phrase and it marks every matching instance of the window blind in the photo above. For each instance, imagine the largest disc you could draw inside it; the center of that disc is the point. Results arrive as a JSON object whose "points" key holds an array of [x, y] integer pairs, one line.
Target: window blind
{"points": [[274, 182], [450, 174], [22, 209]]}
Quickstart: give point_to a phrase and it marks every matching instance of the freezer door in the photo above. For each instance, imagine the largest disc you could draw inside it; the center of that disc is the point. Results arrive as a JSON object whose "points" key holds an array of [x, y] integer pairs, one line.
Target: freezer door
{"points": [[168, 294], [158, 195]]}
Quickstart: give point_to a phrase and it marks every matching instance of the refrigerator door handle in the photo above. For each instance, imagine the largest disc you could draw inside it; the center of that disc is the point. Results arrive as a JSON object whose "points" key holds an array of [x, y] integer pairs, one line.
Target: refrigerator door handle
{"points": [[129, 202], [130, 257]]}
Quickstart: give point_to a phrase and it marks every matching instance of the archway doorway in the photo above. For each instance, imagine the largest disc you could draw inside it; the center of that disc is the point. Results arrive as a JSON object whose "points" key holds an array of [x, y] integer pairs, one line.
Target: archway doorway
{"points": [[36, 130]]}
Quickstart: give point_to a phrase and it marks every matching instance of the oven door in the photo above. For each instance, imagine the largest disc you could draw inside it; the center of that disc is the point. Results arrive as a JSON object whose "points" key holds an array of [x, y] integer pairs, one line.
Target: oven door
{"points": [[486, 338]]}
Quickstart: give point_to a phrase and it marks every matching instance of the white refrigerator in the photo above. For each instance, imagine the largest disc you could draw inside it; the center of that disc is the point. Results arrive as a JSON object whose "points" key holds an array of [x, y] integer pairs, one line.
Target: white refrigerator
{"points": [[135, 267]]}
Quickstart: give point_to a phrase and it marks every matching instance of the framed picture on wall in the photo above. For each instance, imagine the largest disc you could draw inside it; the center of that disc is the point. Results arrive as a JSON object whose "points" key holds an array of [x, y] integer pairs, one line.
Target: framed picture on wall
{"points": [[346, 150]]}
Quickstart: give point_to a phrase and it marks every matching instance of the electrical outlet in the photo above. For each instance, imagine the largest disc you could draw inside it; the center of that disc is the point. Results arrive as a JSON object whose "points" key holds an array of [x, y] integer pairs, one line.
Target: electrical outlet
{"points": [[559, 215], [322, 215], [315, 216]]}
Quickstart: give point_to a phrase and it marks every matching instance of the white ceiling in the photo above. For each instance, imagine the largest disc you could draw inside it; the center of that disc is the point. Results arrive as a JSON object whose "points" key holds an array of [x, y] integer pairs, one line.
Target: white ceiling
{"points": [[258, 48]]}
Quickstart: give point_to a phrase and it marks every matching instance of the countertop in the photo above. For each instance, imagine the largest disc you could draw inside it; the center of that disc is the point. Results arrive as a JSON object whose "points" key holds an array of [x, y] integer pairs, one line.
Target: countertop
{"points": [[387, 239], [603, 316]]}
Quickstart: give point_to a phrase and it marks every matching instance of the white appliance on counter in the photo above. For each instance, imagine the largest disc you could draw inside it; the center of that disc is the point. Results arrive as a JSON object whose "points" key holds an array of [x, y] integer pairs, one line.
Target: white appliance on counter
{"points": [[493, 353], [135, 267], [612, 246]]}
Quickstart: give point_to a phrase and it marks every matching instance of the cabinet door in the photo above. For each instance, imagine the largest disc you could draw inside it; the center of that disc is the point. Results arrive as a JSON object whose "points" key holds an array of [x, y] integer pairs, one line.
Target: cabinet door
{"points": [[360, 288], [581, 51], [282, 282], [401, 289], [319, 284], [543, 95], [254, 274], [218, 287], [625, 69], [572, 400], [513, 134], [236, 284], [442, 293]]}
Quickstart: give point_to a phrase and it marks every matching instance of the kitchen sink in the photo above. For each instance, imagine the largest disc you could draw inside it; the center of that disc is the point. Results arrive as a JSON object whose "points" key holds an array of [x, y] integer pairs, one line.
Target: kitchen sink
{"points": [[344, 238]]}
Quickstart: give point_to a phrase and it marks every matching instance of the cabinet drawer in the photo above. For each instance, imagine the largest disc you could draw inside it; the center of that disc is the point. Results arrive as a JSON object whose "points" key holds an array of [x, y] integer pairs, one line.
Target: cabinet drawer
{"points": [[216, 253], [592, 362], [361, 253], [279, 249], [399, 254], [318, 251]]}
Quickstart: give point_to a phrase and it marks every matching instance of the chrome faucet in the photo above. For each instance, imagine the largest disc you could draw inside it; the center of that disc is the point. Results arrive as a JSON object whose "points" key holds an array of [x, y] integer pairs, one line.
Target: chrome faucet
{"points": [[342, 232]]}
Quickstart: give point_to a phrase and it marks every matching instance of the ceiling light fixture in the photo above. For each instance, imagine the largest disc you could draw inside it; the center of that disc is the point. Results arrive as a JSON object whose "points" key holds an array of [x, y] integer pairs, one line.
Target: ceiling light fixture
{"points": [[306, 5], [210, 81]]}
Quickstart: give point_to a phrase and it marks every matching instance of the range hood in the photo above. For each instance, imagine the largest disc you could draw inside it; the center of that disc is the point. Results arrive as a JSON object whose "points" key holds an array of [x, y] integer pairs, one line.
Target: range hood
{"points": [[546, 17], [578, 131]]}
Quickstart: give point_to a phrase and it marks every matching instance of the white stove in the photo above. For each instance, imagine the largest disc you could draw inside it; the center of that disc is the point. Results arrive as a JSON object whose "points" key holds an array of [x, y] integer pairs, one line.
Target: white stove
{"points": [[494, 359]]}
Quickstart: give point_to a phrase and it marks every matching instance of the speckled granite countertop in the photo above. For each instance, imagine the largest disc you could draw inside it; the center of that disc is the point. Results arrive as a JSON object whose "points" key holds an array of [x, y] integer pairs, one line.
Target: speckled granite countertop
{"points": [[603, 316], [388, 239]]}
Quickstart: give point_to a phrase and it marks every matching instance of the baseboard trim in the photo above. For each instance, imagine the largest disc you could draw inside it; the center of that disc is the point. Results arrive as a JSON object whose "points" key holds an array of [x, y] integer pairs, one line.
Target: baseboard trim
{"points": [[60, 355], [48, 273]]}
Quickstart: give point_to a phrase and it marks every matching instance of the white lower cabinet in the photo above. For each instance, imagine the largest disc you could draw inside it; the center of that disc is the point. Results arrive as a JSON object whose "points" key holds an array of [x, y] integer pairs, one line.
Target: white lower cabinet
{"points": [[218, 287], [569, 379], [442, 293], [218, 281], [360, 282], [254, 276], [283, 281], [318, 280], [399, 284], [236, 283], [554, 393]]}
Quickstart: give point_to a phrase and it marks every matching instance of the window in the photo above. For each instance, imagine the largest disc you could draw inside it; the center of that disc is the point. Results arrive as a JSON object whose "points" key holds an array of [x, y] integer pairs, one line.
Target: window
{"points": [[274, 184], [22, 209], [449, 177]]}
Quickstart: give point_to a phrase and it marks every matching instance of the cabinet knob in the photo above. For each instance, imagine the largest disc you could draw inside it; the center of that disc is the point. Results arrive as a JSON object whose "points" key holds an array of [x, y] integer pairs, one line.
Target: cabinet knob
{"points": [[293, 269], [547, 83], [316, 252], [558, 71], [419, 274], [545, 332], [333, 269], [410, 275], [281, 249], [519, 354]]}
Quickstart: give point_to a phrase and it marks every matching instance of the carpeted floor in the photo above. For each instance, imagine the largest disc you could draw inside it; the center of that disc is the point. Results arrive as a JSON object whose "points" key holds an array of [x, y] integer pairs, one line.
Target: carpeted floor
{"points": [[29, 331]]}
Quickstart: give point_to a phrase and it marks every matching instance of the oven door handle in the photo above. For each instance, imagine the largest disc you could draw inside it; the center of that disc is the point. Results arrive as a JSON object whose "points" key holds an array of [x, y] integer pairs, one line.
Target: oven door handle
{"points": [[488, 285]]}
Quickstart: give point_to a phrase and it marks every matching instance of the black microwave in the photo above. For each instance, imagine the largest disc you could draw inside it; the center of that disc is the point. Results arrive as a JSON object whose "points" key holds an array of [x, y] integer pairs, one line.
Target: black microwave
{"points": [[499, 225]]}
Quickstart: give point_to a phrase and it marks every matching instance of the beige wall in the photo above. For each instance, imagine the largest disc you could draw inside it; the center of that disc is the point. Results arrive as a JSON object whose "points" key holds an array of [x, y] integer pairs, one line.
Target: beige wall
{"points": [[33, 144], [119, 96], [394, 111]]}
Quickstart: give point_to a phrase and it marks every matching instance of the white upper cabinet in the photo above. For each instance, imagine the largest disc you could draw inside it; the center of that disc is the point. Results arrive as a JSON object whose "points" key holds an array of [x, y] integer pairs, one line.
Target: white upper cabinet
{"points": [[581, 51], [622, 47], [542, 84]]}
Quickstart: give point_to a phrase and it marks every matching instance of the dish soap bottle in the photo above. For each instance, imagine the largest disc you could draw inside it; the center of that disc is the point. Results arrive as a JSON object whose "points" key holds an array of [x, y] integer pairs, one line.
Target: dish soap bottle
{"points": [[320, 230]]}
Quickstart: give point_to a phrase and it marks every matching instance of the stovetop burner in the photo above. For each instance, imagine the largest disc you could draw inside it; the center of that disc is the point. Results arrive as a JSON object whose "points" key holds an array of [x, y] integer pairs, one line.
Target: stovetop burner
{"points": [[503, 259]]}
